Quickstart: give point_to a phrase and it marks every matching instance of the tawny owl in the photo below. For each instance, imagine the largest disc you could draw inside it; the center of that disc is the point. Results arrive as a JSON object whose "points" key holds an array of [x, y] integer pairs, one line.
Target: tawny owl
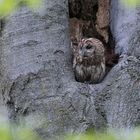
{"points": [[89, 61]]}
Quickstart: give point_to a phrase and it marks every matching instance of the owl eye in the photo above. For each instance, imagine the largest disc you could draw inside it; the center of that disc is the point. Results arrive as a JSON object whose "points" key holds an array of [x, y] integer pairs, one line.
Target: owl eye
{"points": [[88, 47]]}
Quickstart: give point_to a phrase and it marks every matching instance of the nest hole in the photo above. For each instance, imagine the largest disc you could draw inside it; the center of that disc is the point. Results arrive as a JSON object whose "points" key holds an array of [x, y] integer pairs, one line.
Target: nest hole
{"points": [[90, 18]]}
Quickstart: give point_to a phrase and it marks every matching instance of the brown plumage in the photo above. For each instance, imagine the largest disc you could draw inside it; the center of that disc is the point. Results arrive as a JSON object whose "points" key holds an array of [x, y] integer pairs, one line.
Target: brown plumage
{"points": [[89, 61]]}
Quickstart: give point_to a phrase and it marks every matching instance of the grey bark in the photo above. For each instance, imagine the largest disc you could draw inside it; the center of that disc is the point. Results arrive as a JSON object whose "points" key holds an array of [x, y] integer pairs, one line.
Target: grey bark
{"points": [[37, 82]]}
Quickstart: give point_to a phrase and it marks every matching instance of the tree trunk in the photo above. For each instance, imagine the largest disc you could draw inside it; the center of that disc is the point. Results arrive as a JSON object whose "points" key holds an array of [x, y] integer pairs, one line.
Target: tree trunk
{"points": [[38, 84]]}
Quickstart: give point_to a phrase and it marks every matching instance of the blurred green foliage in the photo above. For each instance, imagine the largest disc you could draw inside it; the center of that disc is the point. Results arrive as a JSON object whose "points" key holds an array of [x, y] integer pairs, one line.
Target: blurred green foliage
{"points": [[131, 3], [5, 132], [12, 132], [109, 135], [7, 6], [91, 136]]}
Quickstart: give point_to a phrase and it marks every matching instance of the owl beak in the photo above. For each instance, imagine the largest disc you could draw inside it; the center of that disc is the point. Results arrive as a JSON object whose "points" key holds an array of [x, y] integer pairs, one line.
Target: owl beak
{"points": [[85, 55]]}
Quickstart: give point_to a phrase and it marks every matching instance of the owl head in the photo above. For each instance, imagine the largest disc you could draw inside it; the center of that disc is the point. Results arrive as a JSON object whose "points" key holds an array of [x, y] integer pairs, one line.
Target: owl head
{"points": [[86, 49], [90, 51]]}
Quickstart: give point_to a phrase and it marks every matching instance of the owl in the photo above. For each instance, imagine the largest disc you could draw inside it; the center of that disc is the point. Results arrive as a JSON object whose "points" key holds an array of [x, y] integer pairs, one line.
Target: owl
{"points": [[89, 61]]}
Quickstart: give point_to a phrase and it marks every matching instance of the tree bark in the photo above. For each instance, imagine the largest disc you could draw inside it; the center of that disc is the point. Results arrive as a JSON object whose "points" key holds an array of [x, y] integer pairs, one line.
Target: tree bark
{"points": [[37, 82]]}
